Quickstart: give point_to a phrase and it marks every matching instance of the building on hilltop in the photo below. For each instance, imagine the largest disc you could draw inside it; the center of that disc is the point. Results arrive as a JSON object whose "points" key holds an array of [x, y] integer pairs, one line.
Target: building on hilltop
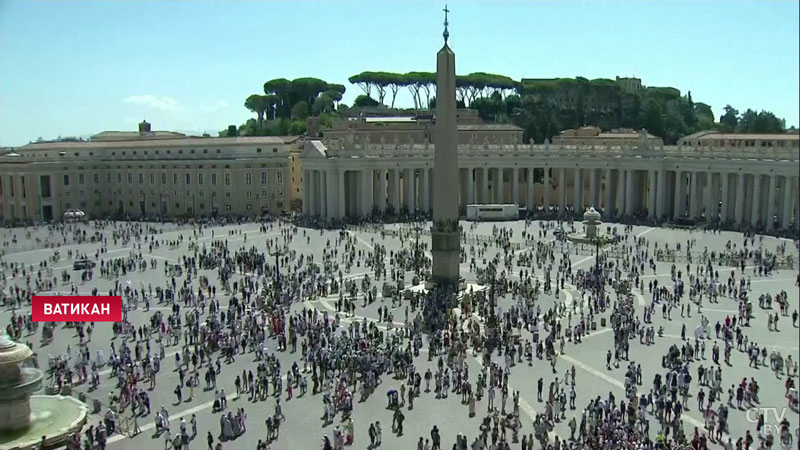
{"points": [[716, 139], [595, 136], [419, 129], [630, 84]]}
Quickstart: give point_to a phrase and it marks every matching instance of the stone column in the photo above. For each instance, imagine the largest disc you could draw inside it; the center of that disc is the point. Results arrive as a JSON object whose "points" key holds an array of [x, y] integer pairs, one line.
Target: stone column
{"points": [[410, 192], [530, 204], [367, 177], [323, 193], [651, 194], [629, 192], [306, 192], [788, 203], [622, 191], [396, 190], [739, 203], [771, 202], [709, 197], [515, 186], [497, 186], [562, 191], [577, 190], [608, 207], [725, 197], [756, 213], [331, 185], [425, 196], [485, 186], [316, 209], [593, 187], [340, 194], [546, 190], [661, 195], [694, 184], [679, 196], [381, 200]]}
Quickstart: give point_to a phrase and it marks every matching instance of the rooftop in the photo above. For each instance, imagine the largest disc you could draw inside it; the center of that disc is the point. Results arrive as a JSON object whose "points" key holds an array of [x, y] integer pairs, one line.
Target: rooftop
{"points": [[716, 135], [186, 141]]}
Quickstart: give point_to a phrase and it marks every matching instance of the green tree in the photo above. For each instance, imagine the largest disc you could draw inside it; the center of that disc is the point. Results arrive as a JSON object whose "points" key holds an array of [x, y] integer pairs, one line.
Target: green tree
{"points": [[300, 110], [297, 127], [730, 120], [322, 104], [653, 120], [280, 88], [365, 100], [257, 104]]}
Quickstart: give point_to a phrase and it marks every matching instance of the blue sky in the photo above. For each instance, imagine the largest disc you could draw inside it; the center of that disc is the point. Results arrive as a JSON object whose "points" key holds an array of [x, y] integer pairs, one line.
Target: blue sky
{"points": [[74, 68]]}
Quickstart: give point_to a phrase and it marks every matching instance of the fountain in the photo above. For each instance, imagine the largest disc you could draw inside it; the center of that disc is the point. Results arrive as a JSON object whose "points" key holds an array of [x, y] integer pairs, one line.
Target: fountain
{"points": [[591, 234], [28, 421]]}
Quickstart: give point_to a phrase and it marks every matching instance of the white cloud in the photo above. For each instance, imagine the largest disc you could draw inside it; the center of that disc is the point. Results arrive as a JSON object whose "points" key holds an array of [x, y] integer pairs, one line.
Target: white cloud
{"points": [[163, 103], [223, 104]]}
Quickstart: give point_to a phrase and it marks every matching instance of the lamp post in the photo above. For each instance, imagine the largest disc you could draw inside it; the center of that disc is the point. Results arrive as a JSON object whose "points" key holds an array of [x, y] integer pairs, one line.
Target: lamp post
{"points": [[277, 253], [417, 248]]}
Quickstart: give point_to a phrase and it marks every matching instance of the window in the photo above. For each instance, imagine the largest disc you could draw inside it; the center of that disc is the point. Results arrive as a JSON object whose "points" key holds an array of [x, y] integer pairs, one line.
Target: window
{"points": [[163, 178], [81, 179], [108, 178], [188, 177], [202, 206], [249, 194], [141, 178], [213, 179], [248, 179], [22, 184], [213, 194], [279, 192], [130, 178], [227, 194], [258, 150], [66, 180], [174, 178], [152, 178], [11, 186], [188, 193], [228, 206], [202, 193], [96, 178], [279, 177], [200, 179], [227, 178], [119, 178], [264, 193], [263, 177]]}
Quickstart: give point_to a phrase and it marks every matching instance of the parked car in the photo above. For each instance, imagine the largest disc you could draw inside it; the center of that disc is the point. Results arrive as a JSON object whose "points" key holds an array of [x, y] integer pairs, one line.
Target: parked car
{"points": [[83, 264]]}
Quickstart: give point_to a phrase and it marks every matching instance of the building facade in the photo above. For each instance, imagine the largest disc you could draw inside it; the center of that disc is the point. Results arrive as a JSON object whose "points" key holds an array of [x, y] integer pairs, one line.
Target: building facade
{"points": [[149, 174], [734, 184]]}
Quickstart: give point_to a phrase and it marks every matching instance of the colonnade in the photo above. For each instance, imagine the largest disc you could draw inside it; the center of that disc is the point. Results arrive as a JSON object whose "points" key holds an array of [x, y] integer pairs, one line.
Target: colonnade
{"points": [[663, 194]]}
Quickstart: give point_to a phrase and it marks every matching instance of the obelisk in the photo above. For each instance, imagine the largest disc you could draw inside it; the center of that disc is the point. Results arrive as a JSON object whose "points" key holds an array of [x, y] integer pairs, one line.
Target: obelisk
{"points": [[445, 234]]}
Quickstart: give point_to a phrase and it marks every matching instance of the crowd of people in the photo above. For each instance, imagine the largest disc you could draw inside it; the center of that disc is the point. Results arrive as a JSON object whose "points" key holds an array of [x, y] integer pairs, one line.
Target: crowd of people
{"points": [[227, 300]]}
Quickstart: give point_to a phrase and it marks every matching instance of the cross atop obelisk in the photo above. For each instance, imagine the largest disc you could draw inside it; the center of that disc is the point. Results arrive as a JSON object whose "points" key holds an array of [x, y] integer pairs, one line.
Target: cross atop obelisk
{"points": [[446, 33]]}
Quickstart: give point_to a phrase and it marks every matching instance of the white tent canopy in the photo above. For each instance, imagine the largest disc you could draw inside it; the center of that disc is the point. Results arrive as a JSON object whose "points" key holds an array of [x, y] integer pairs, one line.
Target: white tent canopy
{"points": [[74, 214]]}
